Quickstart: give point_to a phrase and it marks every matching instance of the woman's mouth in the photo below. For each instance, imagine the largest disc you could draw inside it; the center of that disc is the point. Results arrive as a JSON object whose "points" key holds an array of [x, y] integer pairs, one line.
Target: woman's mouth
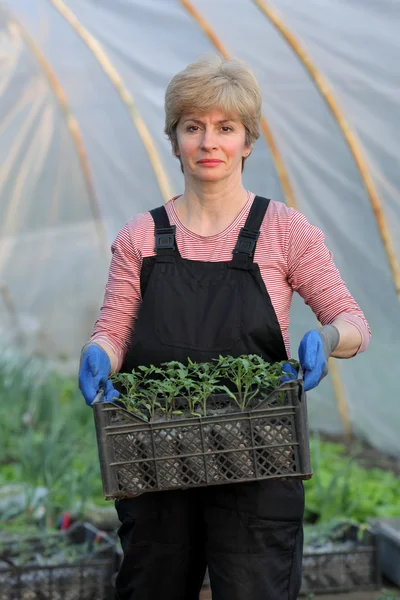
{"points": [[209, 162]]}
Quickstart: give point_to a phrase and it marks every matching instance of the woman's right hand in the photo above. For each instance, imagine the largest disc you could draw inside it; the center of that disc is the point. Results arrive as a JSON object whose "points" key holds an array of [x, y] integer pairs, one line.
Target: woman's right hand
{"points": [[93, 374]]}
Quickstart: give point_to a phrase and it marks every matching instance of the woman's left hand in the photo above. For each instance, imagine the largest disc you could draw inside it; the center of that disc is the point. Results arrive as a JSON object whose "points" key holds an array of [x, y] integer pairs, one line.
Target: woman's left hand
{"points": [[314, 351], [312, 359]]}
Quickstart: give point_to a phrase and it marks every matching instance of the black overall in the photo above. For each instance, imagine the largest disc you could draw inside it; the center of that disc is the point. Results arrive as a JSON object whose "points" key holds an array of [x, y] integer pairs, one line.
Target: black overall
{"points": [[249, 534]]}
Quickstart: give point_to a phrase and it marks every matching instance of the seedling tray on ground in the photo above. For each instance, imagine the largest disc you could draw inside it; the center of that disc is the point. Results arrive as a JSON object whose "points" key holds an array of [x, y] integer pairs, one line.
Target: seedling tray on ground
{"points": [[341, 566], [77, 564], [227, 445]]}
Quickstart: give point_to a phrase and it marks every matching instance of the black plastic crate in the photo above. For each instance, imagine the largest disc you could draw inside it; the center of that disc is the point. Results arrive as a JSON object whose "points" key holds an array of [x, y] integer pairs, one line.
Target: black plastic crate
{"points": [[228, 445], [388, 534], [38, 567], [348, 565]]}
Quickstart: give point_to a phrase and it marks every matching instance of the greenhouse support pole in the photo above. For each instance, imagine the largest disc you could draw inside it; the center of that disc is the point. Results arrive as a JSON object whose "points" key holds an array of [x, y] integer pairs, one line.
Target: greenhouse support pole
{"points": [[349, 136], [71, 121], [123, 92]]}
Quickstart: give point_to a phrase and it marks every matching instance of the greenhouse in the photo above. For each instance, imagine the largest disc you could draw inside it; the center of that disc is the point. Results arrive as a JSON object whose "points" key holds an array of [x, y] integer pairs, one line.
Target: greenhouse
{"points": [[83, 150]]}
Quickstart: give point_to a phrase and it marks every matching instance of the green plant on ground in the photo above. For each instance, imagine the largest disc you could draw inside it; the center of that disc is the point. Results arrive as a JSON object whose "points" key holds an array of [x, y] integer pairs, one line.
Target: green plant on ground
{"points": [[47, 442], [341, 489], [54, 548]]}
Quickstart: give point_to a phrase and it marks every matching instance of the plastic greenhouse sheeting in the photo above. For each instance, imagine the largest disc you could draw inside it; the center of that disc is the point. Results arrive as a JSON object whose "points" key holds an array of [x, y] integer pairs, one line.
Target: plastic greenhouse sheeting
{"points": [[76, 165]]}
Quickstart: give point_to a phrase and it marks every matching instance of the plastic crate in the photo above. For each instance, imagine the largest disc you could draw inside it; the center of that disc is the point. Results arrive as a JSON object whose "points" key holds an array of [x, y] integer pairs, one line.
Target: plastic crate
{"points": [[228, 445], [388, 534], [345, 567], [36, 568]]}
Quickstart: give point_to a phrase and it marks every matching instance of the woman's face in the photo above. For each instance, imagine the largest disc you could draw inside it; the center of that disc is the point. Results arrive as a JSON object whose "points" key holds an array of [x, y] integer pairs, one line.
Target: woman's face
{"points": [[211, 146]]}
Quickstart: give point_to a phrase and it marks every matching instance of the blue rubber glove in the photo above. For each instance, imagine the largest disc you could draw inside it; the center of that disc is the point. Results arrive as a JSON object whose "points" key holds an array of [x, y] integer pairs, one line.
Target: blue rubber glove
{"points": [[93, 374], [312, 359], [290, 371], [314, 350]]}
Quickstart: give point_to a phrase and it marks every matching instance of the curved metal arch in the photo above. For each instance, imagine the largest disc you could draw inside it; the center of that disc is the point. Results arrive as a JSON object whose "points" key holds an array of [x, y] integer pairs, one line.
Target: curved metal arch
{"points": [[72, 124], [268, 135], [287, 189], [126, 97], [350, 138]]}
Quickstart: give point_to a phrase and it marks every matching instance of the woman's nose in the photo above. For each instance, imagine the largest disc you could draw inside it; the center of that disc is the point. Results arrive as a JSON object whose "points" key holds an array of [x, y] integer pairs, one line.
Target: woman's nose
{"points": [[209, 140]]}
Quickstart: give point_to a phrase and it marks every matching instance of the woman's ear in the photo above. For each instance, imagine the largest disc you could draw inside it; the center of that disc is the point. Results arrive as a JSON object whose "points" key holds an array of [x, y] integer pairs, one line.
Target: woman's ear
{"points": [[248, 151]]}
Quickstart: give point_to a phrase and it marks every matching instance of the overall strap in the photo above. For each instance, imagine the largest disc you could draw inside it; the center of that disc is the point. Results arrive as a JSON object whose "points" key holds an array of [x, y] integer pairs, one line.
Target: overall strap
{"points": [[243, 253], [164, 232]]}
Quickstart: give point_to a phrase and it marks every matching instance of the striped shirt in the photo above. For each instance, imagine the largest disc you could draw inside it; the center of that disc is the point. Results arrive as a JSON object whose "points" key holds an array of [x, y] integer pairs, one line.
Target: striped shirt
{"points": [[290, 252]]}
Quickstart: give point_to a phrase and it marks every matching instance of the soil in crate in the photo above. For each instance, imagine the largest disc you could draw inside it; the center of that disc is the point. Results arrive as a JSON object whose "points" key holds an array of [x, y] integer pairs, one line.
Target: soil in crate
{"points": [[139, 475], [173, 457], [193, 467], [163, 459], [170, 467], [146, 472], [230, 445], [274, 450]]}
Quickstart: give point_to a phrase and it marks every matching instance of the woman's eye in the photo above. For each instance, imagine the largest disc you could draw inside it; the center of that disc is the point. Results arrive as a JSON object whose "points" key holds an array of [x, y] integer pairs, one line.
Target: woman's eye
{"points": [[226, 129], [192, 128]]}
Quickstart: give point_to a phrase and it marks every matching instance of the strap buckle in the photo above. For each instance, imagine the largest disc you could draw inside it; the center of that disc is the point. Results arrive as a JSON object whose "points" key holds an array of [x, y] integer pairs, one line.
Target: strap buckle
{"points": [[165, 238], [244, 250], [246, 242]]}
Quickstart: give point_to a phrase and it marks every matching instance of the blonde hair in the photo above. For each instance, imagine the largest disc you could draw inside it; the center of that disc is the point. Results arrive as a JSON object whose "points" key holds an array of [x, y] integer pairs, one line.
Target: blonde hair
{"points": [[214, 83]]}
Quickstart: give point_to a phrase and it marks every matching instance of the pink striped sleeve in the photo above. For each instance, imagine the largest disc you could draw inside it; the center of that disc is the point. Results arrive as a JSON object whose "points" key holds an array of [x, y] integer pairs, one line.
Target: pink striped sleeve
{"points": [[313, 274], [122, 297]]}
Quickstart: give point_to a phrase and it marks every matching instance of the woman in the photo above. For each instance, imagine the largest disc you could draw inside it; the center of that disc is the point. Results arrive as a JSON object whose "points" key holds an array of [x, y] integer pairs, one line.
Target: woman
{"points": [[213, 272]]}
